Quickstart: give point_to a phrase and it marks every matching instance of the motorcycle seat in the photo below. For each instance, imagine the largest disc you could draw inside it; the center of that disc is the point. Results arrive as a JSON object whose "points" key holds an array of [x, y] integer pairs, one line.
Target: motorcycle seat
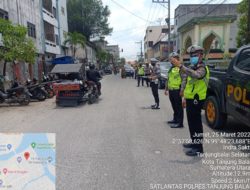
{"points": [[90, 82], [15, 89], [3, 95]]}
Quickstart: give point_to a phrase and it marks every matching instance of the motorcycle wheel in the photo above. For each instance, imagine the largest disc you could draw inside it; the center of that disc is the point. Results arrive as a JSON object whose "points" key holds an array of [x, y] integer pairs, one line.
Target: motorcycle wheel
{"points": [[91, 99], [41, 96], [50, 93], [25, 99]]}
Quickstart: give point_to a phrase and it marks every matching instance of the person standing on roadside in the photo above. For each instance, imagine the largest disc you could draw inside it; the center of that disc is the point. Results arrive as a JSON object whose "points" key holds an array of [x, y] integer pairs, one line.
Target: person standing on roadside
{"points": [[140, 75], [154, 79], [136, 72], [147, 73], [196, 77], [173, 89]]}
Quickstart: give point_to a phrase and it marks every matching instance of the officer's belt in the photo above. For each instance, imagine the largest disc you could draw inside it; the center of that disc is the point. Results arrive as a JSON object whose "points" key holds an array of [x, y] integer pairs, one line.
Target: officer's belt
{"points": [[174, 88]]}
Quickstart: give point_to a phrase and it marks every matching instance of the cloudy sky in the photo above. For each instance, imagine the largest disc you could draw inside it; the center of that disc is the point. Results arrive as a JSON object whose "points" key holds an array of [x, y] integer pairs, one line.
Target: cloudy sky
{"points": [[130, 18]]}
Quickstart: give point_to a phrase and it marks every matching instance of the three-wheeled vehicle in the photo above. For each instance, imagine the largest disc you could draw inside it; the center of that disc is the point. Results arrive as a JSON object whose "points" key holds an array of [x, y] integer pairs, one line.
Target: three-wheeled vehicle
{"points": [[71, 87]]}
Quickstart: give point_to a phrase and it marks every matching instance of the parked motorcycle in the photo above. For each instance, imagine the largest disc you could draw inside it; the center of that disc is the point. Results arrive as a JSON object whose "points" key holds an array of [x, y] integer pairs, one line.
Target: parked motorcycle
{"points": [[36, 90], [48, 87], [16, 94]]}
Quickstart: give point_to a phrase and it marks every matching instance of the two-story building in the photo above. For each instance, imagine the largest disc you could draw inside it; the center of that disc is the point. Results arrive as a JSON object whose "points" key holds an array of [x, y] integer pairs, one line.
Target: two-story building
{"points": [[55, 28], [46, 22], [153, 35], [212, 26], [114, 50]]}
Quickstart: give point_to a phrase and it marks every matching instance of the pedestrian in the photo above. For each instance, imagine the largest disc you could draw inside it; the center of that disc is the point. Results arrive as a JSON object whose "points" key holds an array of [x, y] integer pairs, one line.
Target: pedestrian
{"points": [[173, 89], [196, 78], [123, 73], [136, 72], [154, 79], [147, 73], [140, 75]]}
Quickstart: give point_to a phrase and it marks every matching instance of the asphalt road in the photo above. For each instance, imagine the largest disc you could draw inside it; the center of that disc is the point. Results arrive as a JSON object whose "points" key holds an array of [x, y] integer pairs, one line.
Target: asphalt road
{"points": [[114, 144]]}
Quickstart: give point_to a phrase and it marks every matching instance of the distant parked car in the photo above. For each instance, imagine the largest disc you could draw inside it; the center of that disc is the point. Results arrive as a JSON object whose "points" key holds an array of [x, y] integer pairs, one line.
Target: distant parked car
{"points": [[164, 68], [129, 71], [101, 72], [108, 70]]}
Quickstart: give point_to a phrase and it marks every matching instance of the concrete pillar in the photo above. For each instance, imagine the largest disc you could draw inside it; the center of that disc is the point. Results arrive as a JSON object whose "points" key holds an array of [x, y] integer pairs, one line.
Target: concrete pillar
{"points": [[226, 37], [196, 35]]}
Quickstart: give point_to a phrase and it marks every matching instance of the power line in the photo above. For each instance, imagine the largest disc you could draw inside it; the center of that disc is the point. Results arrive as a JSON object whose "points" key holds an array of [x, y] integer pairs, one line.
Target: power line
{"points": [[154, 13], [129, 29], [209, 2], [119, 5], [149, 14], [224, 1], [206, 15]]}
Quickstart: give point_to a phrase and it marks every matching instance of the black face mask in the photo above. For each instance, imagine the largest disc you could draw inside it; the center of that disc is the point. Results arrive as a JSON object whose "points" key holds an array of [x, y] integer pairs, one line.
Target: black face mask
{"points": [[153, 64]]}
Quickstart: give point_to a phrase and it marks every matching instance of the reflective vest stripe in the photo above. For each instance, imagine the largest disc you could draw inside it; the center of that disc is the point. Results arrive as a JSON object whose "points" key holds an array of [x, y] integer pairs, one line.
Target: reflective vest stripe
{"points": [[197, 86], [174, 79], [141, 71]]}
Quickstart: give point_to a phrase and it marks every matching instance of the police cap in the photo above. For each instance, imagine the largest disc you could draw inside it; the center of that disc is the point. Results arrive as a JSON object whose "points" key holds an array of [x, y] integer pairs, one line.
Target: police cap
{"points": [[195, 49]]}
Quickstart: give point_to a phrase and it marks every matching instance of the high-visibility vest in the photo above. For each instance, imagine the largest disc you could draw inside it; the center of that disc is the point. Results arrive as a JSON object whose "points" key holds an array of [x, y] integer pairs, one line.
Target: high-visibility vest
{"points": [[197, 86], [141, 71], [174, 78]]}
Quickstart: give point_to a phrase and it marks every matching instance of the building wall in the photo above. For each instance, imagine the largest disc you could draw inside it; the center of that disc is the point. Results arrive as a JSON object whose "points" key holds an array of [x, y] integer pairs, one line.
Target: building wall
{"points": [[23, 11], [154, 34], [184, 13], [63, 19], [185, 36], [20, 12], [114, 50], [52, 46]]}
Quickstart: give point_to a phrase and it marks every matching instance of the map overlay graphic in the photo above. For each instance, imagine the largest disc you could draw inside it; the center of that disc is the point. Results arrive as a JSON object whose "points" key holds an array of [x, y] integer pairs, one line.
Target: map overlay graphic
{"points": [[27, 161]]}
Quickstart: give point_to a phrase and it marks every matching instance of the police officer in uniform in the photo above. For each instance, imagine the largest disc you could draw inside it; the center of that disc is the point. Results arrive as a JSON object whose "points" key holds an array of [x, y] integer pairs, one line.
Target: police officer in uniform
{"points": [[196, 77], [173, 89], [140, 75], [154, 79]]}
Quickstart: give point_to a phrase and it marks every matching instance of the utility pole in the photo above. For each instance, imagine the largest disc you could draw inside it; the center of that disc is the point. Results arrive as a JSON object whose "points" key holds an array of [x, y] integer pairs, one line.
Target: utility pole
{"points": [[248, 23], [167, 20], [141, 54]]}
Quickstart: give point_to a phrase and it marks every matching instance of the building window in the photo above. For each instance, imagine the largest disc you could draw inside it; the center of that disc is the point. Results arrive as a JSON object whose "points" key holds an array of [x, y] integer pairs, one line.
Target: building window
{"points": [[57, 39], [31, 30], [47, 4], [54, 12], [4, 14], [150, 31], [164, 30], [150, 44], [176, 22], [63, 10], [243, 62], [49, 32]]}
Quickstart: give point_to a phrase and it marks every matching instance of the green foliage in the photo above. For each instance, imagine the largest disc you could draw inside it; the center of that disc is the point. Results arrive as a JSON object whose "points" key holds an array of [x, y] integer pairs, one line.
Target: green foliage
{"points": [[102, 55], [17, 46], [242, 24], [88, 17], [75, 40]]}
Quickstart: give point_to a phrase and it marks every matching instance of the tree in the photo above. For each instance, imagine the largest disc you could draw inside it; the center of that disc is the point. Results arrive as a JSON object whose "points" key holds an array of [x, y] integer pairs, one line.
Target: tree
{"points": [[75, 40], [16, 45], [102, 57], [243, 34], [88, 17]]}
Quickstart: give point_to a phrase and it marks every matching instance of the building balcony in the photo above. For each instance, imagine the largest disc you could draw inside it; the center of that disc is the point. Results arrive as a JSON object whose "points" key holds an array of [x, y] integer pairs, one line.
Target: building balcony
{"points": [[51, 47], [49, 17]]}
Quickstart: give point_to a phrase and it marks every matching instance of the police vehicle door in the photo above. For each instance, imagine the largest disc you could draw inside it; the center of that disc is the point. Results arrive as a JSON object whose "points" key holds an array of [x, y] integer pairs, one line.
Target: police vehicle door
{"points": [[238, 87]]}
